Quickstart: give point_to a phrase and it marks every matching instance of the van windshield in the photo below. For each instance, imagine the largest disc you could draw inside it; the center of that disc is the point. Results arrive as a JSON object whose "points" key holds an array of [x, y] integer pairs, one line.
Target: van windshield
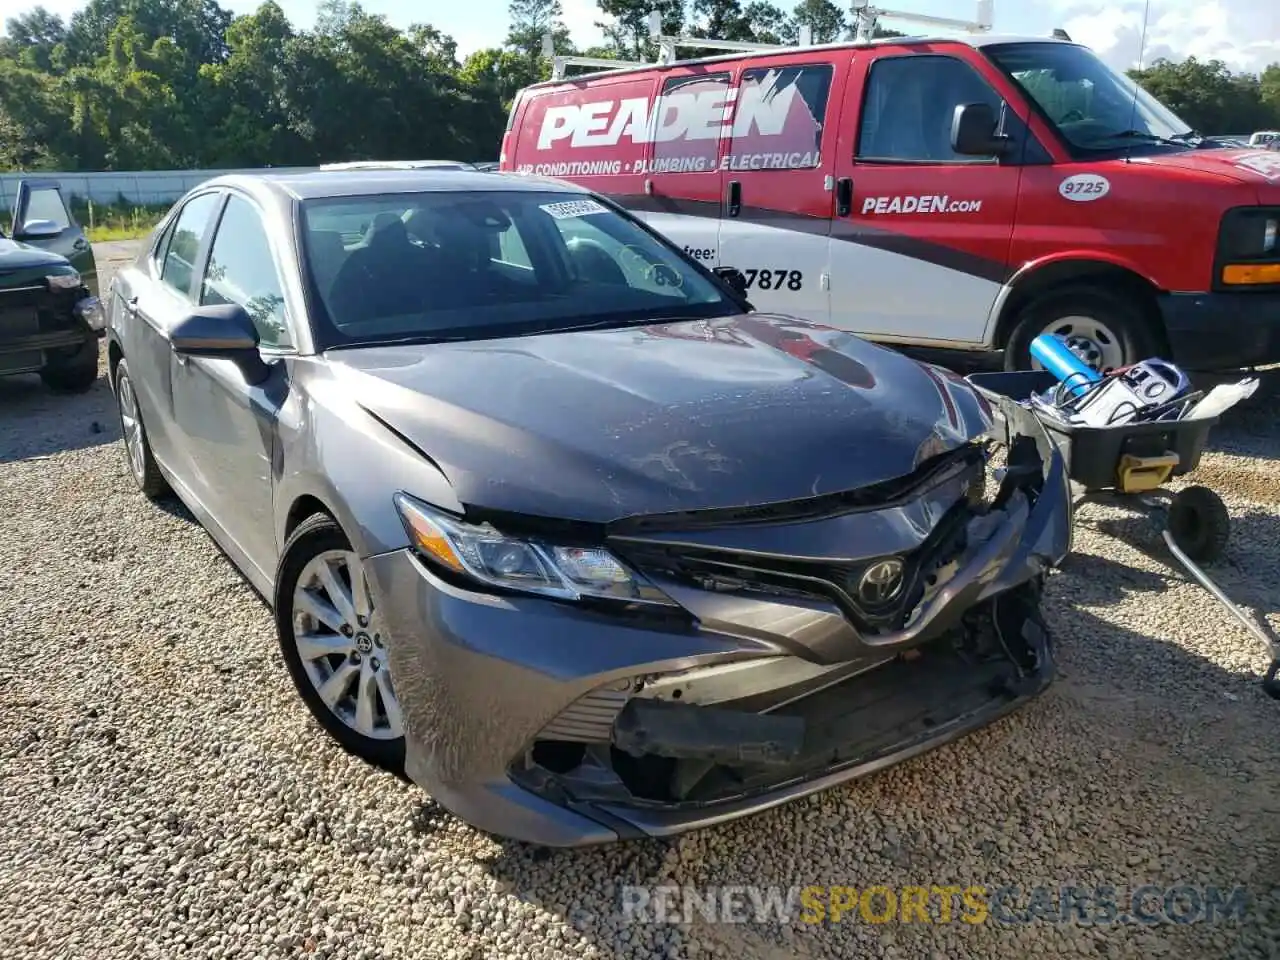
{"points": [[1095, 108], [442, 265]]}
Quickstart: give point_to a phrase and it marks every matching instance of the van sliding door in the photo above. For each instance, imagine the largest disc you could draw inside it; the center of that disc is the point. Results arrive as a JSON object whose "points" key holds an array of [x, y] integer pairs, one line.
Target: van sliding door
{"points": [[776, 172], [682, 162]]}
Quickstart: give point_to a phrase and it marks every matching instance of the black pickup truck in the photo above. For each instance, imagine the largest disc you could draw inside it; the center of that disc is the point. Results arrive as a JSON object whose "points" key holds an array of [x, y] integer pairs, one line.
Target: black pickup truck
{"points": [[50, 315]]}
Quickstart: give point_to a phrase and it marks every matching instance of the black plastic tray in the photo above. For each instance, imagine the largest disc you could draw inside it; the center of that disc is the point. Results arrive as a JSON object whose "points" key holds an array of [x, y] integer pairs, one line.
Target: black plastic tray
{"points": [[1093, 454]]}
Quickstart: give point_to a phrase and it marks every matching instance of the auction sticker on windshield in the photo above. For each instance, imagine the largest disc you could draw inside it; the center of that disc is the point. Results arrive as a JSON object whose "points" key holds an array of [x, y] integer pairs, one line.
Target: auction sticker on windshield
{"points": [[1084, 187], [573, 208]]}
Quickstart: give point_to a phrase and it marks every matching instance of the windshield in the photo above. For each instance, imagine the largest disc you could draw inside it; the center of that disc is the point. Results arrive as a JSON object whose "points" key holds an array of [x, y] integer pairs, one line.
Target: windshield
{"points": [[1093, 106], [443, 265]]}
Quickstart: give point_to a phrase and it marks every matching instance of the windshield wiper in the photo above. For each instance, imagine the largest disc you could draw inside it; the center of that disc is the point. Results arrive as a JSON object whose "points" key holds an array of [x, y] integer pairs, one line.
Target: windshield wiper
{"points": [[1138, 135]]}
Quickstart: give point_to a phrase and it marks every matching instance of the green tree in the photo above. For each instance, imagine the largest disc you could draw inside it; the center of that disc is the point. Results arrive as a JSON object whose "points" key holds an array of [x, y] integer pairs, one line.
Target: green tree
{"points": [[824, 19], [1207, 95], [32, 38], [628, 33]]}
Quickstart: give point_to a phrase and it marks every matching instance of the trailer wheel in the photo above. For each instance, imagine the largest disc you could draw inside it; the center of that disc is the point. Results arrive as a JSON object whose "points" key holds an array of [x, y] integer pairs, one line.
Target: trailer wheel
{"points": [[1200, 524], [1106, 330]]}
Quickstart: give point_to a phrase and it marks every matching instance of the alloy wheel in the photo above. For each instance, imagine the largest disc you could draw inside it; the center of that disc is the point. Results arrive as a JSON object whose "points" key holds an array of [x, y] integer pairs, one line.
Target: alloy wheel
{"points": [[343, 646], [131, 427]]}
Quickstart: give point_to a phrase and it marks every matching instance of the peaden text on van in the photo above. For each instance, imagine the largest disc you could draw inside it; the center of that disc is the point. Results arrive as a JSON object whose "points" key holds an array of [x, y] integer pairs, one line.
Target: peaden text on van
{"points": [[958, 193]]}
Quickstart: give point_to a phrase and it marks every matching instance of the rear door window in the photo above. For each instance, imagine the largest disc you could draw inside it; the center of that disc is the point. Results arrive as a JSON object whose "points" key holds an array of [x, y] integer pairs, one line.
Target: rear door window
{"points": [[780, 117], [183, 250]]}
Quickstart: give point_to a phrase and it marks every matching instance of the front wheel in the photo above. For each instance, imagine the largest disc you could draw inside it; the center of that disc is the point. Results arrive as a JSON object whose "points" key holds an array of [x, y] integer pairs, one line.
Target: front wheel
{"points": [[74, 372], [335, 645], [1106, 330]]}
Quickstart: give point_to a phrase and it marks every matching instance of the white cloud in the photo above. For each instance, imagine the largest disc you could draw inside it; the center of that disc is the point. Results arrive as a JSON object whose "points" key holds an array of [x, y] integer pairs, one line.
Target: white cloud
{"points": [[1244, 34]]}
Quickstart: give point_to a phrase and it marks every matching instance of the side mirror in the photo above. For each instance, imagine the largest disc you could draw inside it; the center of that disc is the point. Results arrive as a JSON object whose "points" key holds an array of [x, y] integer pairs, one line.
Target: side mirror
{"points": [[735, 278], [38, 230], [973, 131], [221, 331]]}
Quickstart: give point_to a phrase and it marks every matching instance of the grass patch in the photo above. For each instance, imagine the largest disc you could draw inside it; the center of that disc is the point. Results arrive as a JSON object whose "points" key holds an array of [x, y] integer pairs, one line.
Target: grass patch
{"points": [[117, 221]]}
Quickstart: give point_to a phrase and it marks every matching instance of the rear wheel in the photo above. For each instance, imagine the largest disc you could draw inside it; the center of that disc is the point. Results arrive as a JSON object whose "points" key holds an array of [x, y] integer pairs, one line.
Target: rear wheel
{"points": [[74, 372], [1106, 330], [335, 644]]}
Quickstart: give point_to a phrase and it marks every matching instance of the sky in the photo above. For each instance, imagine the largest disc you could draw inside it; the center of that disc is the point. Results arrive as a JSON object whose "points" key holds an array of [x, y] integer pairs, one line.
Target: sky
{"points": [[1245, 34]]}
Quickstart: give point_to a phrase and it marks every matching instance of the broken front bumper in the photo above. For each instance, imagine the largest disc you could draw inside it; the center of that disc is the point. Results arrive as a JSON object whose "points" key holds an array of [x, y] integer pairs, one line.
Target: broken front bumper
{"points": [[564, 725]]}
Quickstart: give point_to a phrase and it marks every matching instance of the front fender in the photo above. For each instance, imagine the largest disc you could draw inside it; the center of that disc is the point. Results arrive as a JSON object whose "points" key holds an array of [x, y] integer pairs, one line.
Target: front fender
{"points": [[334, 452]]}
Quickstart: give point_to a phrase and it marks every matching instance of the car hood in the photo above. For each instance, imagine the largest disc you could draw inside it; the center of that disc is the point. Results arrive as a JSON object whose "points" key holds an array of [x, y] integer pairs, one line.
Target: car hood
{"points": [[21, 264], [1260, 168], [600, 425]]}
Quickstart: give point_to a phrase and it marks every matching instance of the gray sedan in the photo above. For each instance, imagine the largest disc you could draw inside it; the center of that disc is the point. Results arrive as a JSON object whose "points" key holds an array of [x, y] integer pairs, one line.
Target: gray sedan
{"points": [[552, 522]]}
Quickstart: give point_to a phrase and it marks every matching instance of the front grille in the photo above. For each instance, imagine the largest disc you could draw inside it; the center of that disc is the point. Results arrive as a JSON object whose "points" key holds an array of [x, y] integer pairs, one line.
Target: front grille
{"points": [[589, 719], [724, 570], [29, 310]]}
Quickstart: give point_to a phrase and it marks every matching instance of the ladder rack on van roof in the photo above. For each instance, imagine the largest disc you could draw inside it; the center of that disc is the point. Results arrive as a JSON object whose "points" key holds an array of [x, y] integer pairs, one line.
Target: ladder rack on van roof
{"points": [[866, 18]]}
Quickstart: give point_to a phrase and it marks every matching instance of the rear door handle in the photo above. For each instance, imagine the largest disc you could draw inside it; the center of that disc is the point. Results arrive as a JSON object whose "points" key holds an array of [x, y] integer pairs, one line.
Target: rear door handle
{"points": [[735, 197], [131, 304], [81, 244], [844, 196]]}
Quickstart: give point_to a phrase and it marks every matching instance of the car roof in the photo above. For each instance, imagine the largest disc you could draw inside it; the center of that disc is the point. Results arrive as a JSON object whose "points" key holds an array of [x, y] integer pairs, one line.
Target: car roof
{"points": [[972, 39], [399, 165], [369, 182]]}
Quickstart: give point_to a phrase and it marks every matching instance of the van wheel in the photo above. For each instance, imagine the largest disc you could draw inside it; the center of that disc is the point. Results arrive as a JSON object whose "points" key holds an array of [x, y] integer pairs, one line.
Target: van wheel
{"points": [[1106, 330]]}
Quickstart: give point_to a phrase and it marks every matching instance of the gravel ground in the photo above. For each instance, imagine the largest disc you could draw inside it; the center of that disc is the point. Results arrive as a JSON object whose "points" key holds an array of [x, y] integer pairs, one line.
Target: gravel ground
{"points": [[164, 794]]}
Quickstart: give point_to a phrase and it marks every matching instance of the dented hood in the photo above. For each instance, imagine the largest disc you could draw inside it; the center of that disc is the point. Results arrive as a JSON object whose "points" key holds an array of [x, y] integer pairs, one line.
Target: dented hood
{"points": [[600, 425]]}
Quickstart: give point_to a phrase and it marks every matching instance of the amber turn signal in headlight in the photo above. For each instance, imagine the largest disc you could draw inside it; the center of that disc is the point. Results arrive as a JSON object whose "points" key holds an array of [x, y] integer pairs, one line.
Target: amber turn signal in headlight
{"points": [[1251, 273]]}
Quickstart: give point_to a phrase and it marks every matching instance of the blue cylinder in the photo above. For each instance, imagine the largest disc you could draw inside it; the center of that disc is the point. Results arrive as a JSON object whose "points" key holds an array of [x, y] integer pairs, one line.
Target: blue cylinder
{"points": [[1060, 360]]}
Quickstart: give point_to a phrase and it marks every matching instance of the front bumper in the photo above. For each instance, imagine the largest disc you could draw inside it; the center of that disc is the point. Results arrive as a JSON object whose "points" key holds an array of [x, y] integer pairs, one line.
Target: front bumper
{"points": [[485, 683], [1222, 331]]}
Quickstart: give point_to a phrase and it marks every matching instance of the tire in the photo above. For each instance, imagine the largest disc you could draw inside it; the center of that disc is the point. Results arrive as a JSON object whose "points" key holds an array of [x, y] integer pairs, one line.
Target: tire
{"points": [[336, 665], [1129, 337], [133, 434], [74, 373], [1200, 524]]}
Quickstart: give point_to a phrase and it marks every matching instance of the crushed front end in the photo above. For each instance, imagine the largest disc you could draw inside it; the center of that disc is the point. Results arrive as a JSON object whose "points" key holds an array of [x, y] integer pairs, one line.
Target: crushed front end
{"points": [[807, 643]]}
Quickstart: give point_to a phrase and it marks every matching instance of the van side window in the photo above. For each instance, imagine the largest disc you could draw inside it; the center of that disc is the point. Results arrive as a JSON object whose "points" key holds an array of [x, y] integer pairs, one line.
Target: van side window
{"points": [[695, 146], [779, 118], [909, 105]]}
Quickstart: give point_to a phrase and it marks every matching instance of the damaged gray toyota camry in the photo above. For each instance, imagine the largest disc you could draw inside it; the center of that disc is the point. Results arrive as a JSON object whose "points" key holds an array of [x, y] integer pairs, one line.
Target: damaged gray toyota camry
{"points": [[553, 523]]}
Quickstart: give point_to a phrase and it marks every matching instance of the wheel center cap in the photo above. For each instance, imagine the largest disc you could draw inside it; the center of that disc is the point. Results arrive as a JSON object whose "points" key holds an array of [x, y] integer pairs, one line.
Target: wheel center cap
{"points": [[363, 643]]}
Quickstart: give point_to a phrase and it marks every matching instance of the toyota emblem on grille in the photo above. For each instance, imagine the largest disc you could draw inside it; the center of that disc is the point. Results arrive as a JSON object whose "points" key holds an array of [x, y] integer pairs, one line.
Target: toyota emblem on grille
{"points": [[881, 582]]}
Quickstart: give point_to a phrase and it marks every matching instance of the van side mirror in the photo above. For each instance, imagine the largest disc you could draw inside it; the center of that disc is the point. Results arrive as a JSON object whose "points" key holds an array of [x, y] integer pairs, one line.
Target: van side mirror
{"points": [[973, 131], [222, 331], [735, 278]]}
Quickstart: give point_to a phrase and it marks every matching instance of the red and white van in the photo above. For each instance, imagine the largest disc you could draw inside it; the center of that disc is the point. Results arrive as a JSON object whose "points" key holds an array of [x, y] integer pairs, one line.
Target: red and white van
{"points": [[957, 193]]}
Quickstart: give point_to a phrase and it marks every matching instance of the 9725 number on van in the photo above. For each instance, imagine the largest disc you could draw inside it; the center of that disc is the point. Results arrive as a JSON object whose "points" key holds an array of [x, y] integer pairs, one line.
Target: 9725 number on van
{"points": [[770, 279]]}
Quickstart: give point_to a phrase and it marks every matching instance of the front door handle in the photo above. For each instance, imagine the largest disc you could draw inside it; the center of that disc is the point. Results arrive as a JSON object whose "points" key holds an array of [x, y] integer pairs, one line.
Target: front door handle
{"points": [[131, 304], [844, 196], [735, 197], [81, 244]]}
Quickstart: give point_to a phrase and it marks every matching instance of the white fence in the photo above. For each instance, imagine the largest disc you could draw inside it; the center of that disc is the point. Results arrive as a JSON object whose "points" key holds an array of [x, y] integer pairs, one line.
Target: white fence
{"points": [[140, 188]]}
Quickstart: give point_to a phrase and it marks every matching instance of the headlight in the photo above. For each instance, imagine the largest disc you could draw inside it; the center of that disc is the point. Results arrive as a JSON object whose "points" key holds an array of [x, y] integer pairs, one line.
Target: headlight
{"points": [[90, 311], [1249, 247], [64, 281], [529, 566]]}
